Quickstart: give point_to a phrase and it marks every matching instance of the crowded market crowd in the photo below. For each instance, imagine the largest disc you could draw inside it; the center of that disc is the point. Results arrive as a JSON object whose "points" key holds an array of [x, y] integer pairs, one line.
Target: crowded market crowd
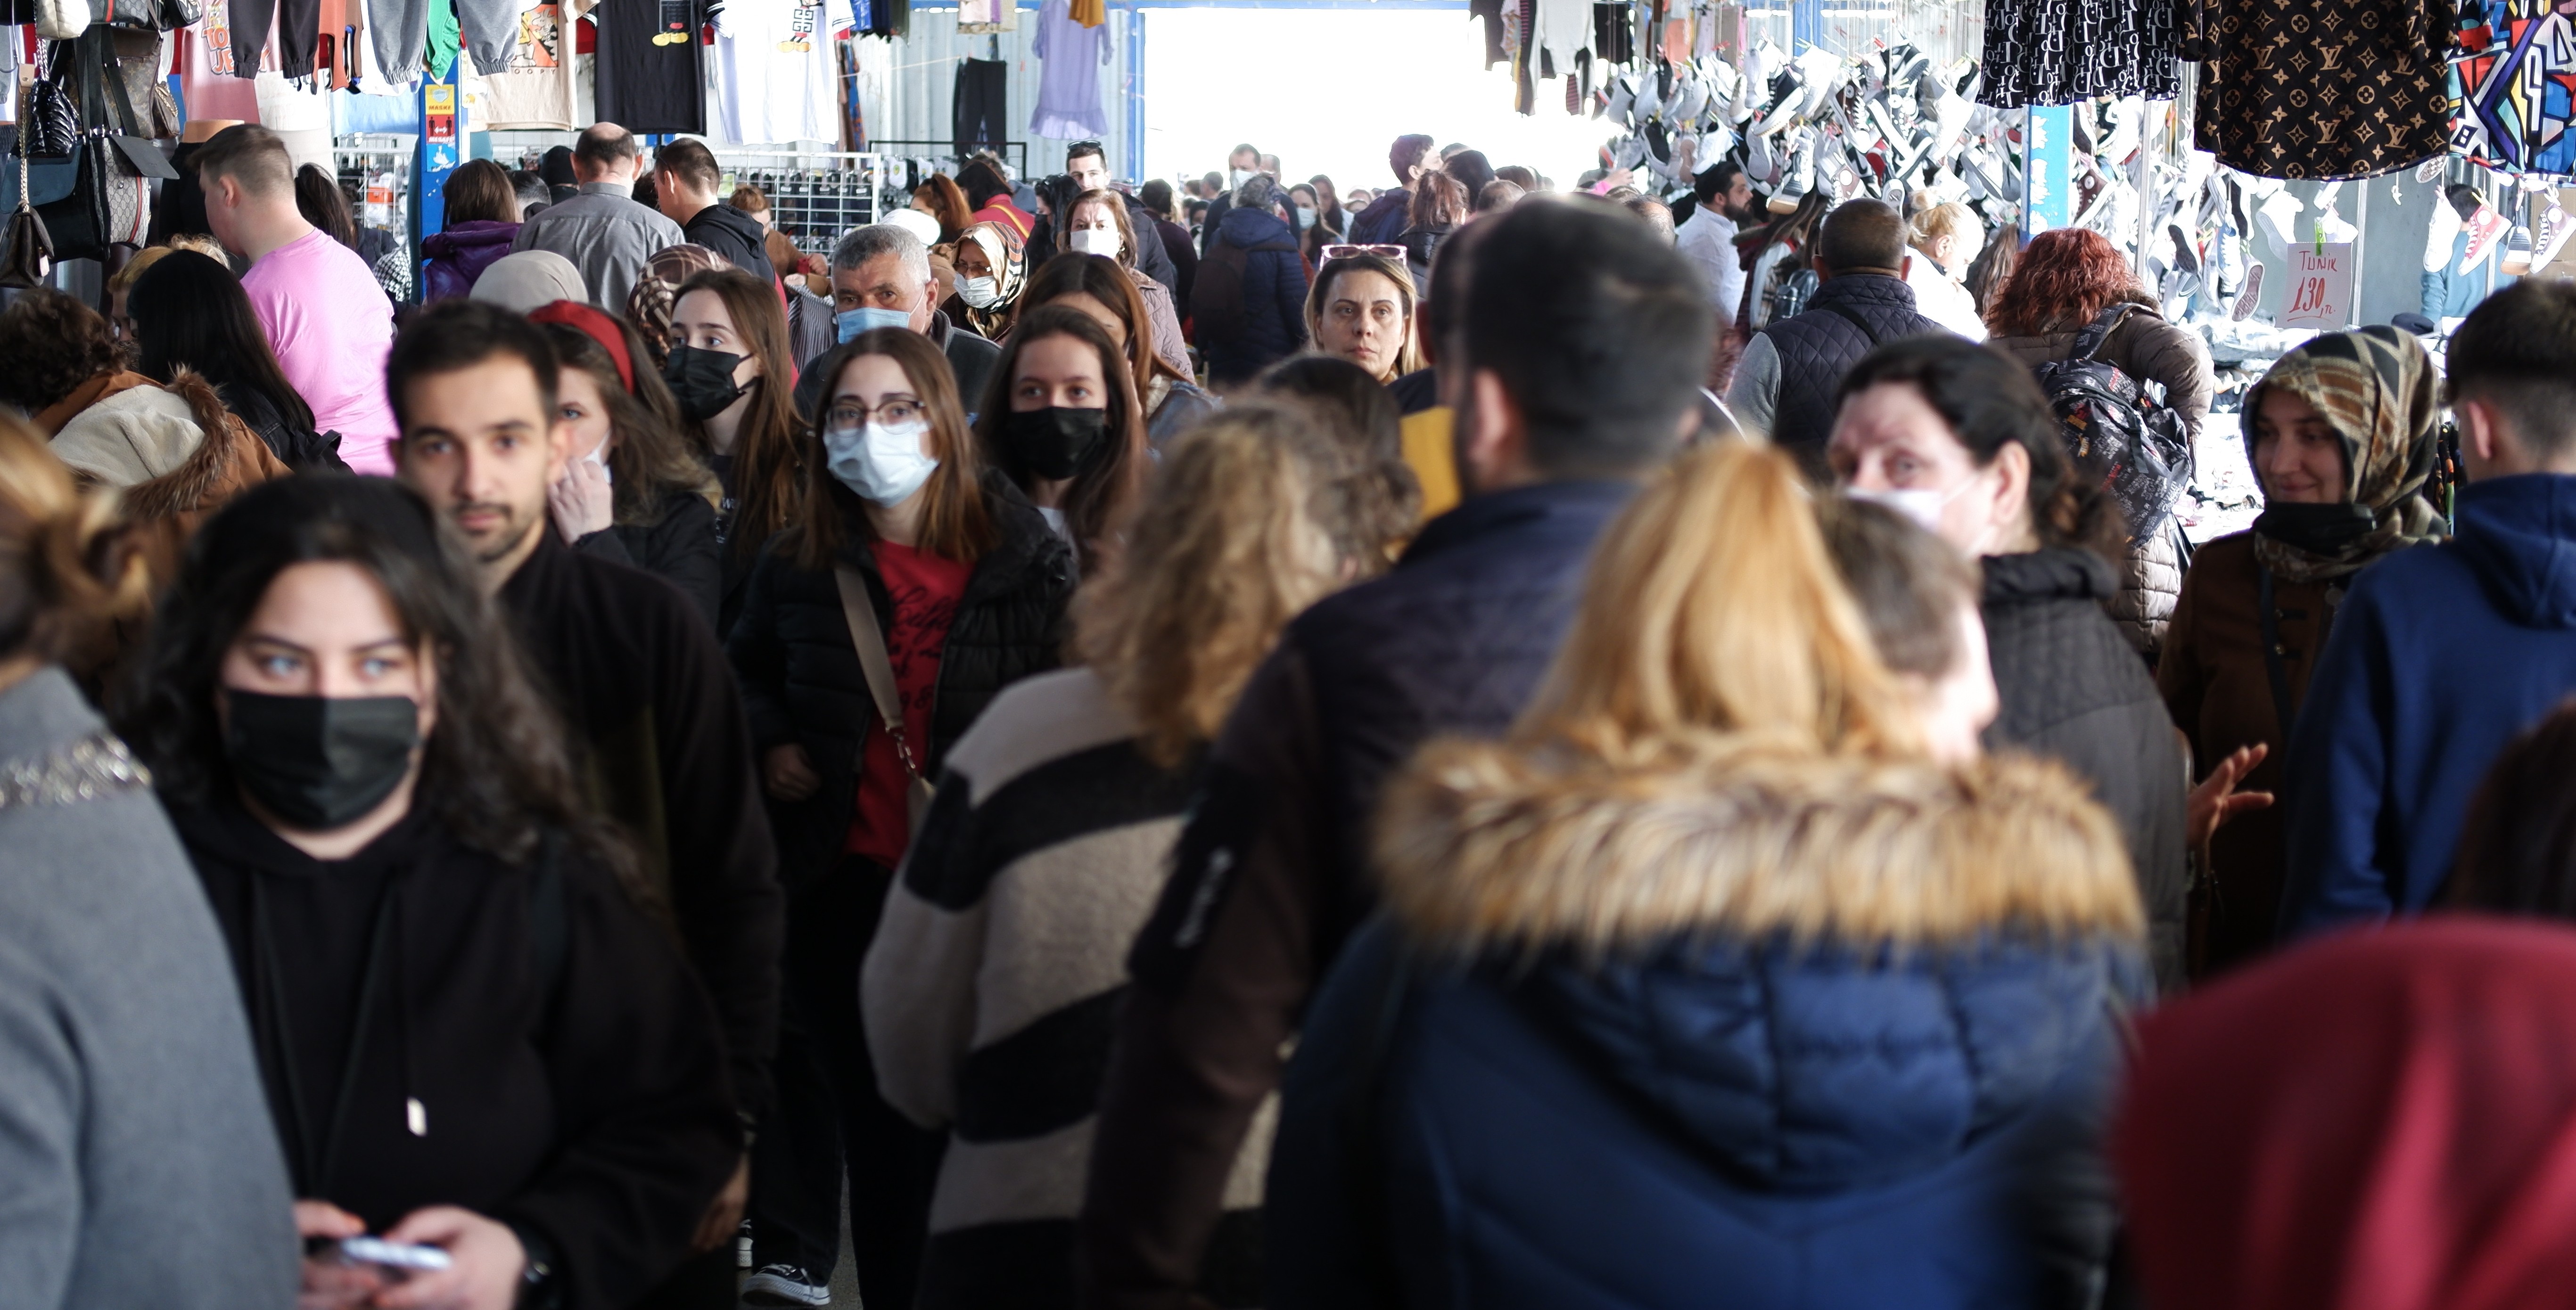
{"points": [[1473, 743]]}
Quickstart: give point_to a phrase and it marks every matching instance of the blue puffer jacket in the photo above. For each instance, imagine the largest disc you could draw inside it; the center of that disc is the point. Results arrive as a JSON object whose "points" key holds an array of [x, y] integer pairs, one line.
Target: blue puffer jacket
{"points": [[1274, 298], [1583, 1063]]}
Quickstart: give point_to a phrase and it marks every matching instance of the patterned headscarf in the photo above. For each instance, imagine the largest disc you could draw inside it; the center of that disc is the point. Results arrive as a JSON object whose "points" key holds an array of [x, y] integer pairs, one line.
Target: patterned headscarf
{"points": [[648, 306], [2377, 389], [1008, 254]]}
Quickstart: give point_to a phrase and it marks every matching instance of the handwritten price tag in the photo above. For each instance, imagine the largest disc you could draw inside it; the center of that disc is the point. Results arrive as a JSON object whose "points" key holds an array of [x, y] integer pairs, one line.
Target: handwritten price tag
{"points": [[2320, 288]]}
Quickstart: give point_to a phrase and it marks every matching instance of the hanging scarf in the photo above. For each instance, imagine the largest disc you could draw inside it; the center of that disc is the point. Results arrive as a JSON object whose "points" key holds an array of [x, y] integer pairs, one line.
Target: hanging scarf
{"points": [[1007, 253], [2375, 387]]}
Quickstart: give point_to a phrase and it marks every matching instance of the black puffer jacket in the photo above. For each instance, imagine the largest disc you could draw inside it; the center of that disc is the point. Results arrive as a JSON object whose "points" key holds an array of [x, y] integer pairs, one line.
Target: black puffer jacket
{"points": [[1818, 347], [2075, 689], [801, 680]]}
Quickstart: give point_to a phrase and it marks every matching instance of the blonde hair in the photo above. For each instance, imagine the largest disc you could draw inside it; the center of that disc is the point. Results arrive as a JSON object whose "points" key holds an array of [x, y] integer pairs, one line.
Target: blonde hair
{"points": [[1248, 520], [1947, 219], [123, 279], [1713, 604], [65, 570]]}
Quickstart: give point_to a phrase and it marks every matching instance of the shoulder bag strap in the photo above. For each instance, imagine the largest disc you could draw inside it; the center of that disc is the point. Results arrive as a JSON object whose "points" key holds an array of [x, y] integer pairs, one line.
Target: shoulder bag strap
{"points": [[1846, 313], [2089, 341], [869, 641]]}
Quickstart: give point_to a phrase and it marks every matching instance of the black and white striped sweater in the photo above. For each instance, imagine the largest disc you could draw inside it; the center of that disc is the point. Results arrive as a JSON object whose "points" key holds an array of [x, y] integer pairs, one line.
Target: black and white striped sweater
{"points": [[991, 990]]}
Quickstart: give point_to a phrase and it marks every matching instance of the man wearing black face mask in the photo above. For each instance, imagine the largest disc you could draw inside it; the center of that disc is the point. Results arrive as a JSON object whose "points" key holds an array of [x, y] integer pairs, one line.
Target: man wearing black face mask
{"points": [[658, 732]]}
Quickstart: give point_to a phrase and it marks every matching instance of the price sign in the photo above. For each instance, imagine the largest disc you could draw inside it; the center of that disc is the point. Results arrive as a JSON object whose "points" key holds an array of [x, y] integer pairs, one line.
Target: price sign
{"points": [[2320, 295]]}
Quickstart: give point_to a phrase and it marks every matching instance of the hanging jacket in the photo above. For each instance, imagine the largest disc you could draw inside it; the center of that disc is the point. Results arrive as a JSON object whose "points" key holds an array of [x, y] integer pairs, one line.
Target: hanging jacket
{"points": [[459, 255], [569, 1083], [801, 680], [2439, 656], [2073, 689], [1739, 1025], [1272, 279]]}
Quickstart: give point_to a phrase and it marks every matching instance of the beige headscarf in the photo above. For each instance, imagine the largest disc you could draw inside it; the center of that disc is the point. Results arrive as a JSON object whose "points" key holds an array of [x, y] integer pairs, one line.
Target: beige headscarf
{"points": [[2377, 389]]}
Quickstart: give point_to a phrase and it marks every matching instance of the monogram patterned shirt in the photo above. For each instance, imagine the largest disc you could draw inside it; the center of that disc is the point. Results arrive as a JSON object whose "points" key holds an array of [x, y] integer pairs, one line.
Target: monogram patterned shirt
{"points": [[2320, 88], [2056, 52]]}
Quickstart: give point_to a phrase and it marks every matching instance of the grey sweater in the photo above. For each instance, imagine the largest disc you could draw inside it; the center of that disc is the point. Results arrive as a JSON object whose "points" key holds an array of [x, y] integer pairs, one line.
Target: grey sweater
{"points": [[138, 1163]]}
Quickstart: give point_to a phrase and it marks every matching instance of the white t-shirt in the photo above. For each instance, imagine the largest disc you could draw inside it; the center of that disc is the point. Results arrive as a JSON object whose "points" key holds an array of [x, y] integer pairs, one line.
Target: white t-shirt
{"points": [[535, 91], [1707, 240], [775, 80], [1941, 298]]}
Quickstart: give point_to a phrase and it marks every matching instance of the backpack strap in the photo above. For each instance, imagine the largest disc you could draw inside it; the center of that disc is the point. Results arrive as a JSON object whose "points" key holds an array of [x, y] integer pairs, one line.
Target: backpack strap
{"points": [[2098, 331], [1848, 315]]}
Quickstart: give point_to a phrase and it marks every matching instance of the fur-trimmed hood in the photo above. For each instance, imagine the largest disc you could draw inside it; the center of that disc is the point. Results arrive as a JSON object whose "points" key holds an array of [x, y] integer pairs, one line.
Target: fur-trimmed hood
{"points": [[1826, 973], [1483, 846]]}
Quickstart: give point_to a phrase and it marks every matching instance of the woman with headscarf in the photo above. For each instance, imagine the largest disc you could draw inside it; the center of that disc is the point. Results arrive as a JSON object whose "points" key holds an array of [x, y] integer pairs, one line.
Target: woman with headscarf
{"points": [[648, 306], [2379, 1120], [522, 281], [2341, 435], [992, 266]]}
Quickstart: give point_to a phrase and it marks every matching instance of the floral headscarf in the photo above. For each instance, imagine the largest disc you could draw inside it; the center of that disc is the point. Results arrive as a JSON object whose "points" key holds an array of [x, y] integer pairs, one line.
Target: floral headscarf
{"points": [[1008, 255], [2376, 388], [648, 306]]}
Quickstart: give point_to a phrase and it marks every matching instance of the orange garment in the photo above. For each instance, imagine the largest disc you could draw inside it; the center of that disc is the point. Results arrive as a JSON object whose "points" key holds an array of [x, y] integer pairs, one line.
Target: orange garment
{"points": [[1089, 13]]}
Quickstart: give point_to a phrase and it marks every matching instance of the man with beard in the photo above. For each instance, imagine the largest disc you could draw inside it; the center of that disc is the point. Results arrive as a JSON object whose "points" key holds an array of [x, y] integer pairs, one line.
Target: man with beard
{"points": [[655, 730], [1724, 199]]}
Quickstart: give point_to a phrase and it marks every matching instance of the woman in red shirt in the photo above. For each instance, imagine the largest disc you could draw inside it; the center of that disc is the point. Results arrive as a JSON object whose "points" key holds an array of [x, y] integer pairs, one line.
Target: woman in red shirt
{"points": [[965, 588]]}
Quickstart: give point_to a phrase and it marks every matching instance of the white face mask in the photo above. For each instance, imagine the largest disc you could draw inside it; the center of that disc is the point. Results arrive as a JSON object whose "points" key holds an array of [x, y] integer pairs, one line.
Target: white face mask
{"points": [[1923, 505], [884, 465], [599, 459], [1305, 217], [1242, 175], [1101, 241], [979, 292]]}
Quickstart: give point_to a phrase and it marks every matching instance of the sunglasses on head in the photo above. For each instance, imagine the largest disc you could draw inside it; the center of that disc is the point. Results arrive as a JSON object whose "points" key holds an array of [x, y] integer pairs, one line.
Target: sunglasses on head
{"points": [[1345, 252]]}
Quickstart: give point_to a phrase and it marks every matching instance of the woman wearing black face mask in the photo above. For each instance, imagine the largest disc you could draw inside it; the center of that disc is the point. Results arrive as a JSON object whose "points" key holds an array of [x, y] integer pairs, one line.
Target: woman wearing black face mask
{"points": [[735, 378], [1063, 422], [471, 1035]]}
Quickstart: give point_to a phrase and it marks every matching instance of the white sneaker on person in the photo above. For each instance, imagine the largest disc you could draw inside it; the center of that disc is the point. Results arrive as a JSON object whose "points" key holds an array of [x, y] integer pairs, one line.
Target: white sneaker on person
{"points": [[785, 1285]]}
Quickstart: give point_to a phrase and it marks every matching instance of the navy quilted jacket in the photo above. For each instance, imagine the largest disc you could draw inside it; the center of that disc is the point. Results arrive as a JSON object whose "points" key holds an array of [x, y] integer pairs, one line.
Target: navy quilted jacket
{"points": [[1274, 298], [1817, 347]]}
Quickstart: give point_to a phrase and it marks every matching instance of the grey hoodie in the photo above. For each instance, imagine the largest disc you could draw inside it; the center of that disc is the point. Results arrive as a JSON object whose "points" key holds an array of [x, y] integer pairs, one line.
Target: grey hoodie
{"points": [[138, 1163]]}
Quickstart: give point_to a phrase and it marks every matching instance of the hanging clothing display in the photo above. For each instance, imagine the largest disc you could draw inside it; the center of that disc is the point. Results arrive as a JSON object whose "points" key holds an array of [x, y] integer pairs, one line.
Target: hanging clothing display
{"points": [[1089, 13], [397, 35], [2056, 52], [980, 107], [2320, 88], [2513, 87], [533, 89], [1069, 92], [652, 75], [774, 79], [299, 30], [490, 28], [978, 17]]}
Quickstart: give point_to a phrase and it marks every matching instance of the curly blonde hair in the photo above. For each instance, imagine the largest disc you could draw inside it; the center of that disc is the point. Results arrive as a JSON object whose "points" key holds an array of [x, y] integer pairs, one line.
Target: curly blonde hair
{"points": [[1252, 516]]}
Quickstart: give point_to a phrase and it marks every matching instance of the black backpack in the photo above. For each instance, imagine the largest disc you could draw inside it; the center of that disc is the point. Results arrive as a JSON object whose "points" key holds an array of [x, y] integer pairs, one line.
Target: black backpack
{"points": [[1216, 298], [2119, 433]]}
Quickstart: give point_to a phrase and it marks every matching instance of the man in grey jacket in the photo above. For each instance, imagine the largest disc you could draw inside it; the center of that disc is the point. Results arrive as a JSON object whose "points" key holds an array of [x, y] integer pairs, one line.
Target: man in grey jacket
{"points": [[603, 231], [138, 1161]]}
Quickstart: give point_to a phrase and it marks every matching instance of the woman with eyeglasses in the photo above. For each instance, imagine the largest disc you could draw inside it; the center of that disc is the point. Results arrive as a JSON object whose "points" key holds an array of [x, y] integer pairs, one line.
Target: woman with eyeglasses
{"points": [[965, 588]]}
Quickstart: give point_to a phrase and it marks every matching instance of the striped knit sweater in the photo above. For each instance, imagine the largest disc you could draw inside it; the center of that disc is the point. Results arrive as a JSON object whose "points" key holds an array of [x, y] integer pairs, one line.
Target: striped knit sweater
{"points": [[991, 990]]}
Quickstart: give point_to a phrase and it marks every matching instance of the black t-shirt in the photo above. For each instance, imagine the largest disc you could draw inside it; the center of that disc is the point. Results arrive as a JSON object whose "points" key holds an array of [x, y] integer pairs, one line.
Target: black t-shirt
{"points": [[651, 70]]}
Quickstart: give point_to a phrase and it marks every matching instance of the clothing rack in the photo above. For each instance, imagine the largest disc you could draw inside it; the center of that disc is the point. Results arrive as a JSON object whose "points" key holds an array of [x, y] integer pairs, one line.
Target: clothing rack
{"points": [[1013, 153], [359, 162], [814, 195]]}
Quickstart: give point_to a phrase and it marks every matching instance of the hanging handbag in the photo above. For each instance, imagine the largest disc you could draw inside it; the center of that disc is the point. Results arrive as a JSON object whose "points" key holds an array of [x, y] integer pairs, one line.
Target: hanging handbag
{"points": [[868, 639], [51, 119], [111, 200], [61, 20], [176, 14], [29, 257]]}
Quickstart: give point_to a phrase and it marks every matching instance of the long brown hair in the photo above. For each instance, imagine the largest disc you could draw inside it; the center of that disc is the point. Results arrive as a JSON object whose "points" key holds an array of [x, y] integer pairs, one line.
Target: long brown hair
{"points": [[1251, 518], [765, 447], [1079, 274], [956, 524], [948, 205], [1096, 506], [1117, 207], [650, 458], [64, 574]]}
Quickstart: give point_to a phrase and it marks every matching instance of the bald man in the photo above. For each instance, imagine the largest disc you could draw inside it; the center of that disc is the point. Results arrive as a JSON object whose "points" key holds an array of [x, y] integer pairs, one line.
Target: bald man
{"points": [[602, 230]]}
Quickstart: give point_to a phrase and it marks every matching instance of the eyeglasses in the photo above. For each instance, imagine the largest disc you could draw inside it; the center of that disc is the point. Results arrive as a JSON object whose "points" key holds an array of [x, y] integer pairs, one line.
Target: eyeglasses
{"points": [[893, 411], [1347, 252]]}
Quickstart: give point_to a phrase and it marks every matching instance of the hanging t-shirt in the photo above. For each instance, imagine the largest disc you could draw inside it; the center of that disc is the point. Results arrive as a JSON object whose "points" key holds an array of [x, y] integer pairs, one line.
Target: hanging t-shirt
{"points": [[2513, 87], [774, 72], [536, 89], [2319, 88], [925, 591], [651, 77]]}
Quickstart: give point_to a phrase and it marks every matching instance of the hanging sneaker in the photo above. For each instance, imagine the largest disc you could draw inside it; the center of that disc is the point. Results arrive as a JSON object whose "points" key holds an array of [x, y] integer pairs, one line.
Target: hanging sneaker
{"points": [[2554, 227], [1799, 177], [785, 1285], [2483, 231], [2251, 296]]}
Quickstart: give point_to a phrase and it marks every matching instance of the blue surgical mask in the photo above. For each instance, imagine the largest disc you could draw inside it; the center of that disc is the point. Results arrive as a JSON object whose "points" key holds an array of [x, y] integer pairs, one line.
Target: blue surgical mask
{"points": [[883, 465], [849, 323]]}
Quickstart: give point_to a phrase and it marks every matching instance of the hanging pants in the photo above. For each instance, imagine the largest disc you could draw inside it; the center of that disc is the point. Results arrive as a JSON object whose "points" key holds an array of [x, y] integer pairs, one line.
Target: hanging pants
{"points": [[982, 88]]}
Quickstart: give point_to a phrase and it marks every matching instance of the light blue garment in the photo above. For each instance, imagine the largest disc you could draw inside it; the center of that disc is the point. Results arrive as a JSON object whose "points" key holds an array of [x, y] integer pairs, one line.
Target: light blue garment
{"points": [[884, 465], [849, 323]]}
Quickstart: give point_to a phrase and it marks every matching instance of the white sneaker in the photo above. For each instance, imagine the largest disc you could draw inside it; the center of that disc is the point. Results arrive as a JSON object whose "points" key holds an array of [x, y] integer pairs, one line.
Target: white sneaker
{"points": [[784, 1285]]}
